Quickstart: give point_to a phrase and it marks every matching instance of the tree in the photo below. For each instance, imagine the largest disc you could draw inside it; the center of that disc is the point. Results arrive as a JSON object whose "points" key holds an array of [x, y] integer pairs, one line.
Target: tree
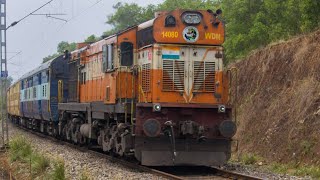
{"points": [[62, 46], [91, 39], [48, 58], [310, 18], [245, 26], [255, 23], [127, 15], [169, 5]]}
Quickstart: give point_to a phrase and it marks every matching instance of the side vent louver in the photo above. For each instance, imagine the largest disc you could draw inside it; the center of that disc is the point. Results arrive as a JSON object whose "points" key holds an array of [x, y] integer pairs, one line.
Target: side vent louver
{"points": [[204, 76], [173, 75], [146, 77]]}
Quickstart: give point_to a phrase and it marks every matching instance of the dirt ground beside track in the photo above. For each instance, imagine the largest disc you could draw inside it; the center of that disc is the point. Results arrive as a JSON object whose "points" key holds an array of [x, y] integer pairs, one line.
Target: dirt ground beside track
{"points": [[279, 101]]}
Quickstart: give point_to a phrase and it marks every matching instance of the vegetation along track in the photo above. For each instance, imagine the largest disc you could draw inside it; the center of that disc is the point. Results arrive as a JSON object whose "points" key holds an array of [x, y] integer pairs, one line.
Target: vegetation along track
{"points": [[176, 173]]}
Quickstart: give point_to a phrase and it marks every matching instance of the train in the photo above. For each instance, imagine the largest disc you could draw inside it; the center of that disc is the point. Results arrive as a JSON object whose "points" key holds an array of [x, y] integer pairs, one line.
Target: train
{"points": [[156, 91]]}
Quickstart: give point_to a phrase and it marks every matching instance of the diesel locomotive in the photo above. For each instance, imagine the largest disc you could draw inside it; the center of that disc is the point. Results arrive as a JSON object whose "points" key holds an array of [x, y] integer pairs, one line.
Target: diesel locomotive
{"points": [[156, 91]]}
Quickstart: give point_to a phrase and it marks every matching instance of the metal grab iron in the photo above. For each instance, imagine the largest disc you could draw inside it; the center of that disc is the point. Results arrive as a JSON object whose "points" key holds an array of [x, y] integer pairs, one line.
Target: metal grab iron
{"points": [[170, 133]]}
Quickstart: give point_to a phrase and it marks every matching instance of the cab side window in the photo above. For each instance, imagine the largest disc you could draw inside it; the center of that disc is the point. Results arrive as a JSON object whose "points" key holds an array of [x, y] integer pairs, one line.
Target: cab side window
{"points": [[104, 58], [107, 57], [110, 57], [126, 49]]}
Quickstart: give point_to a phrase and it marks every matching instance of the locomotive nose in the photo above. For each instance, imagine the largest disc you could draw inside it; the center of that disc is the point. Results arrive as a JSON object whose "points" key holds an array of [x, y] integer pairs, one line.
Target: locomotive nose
{"points": [[228, 128]]}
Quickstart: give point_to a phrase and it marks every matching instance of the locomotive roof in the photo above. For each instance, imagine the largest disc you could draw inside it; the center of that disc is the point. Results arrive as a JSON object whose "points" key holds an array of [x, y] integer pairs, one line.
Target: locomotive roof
{"points": [[146, 24], [42, 67], [80, 50]]}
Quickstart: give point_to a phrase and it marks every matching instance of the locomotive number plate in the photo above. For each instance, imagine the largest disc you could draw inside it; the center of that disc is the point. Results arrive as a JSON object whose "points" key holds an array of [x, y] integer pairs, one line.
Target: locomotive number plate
{"points": [[170, 34]]}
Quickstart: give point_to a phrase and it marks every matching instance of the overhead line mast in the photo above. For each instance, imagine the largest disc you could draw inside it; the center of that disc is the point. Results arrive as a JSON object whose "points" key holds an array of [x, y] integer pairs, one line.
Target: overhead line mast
{"points": [[4, 72]]}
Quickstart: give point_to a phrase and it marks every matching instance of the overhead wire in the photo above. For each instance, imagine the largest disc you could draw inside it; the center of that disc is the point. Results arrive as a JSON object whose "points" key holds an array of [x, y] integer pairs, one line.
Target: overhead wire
{"points": [[74, 17], [16, 22], [16, 54]]}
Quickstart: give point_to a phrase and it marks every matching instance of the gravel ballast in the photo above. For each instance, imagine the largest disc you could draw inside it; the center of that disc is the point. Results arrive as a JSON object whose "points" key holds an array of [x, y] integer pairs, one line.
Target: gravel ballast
{"points": [[77, 162], [96, 167]]}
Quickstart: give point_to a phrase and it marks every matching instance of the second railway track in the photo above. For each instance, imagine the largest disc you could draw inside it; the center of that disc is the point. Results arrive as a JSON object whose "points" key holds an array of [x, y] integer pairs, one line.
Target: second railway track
{"points": [[175, 173]]}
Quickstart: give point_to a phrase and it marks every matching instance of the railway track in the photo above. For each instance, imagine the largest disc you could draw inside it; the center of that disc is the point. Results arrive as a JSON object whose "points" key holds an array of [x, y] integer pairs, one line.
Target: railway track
{"points": [[174, 173]]}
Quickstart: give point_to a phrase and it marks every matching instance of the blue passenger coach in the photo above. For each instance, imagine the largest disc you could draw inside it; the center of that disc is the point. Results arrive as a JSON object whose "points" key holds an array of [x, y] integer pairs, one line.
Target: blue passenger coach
{"points": [[41, 91]]}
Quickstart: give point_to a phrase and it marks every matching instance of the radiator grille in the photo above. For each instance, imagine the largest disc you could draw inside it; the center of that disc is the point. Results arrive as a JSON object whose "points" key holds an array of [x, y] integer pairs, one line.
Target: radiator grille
{"points": [[146, 77], [173, 75], [204, 76]]}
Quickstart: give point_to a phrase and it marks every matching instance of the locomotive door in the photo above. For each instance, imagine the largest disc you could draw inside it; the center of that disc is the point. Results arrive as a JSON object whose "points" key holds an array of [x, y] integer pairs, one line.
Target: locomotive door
{"points": [[185, 53], [60, 91], [196, 70]]}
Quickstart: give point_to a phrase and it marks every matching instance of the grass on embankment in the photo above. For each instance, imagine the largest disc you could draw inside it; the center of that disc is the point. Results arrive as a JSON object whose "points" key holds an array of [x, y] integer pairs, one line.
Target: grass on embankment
{"points": [[29, 164], [293, 169]]}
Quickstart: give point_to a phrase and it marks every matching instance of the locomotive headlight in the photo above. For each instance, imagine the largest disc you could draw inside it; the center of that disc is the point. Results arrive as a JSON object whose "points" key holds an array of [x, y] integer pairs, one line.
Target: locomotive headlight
{"points": [[221, 109], [157, 107], [191, 18]]}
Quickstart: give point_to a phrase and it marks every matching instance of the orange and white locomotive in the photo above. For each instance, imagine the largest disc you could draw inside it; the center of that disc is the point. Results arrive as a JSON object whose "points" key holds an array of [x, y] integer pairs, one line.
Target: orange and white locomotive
{"points": [[156, 91]]}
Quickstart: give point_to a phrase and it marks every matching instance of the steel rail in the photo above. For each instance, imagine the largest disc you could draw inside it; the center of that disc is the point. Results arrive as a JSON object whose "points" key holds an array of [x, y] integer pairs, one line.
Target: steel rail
{"points": [[235, 175]]}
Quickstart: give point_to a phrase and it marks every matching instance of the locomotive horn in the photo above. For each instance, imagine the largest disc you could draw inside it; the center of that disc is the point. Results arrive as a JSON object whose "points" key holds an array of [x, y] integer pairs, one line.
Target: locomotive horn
{"points": [[66, 54], [210, 11], [219, 11]]}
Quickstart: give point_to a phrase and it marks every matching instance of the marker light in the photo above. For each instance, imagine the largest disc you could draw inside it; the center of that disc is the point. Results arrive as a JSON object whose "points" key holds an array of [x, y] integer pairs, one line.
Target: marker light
{"points": [[157, 107], [222, 109]]}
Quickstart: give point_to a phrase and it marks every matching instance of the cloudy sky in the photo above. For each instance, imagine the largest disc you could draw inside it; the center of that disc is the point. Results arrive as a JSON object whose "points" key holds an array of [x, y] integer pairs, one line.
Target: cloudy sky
{"points": [[37, 36]]}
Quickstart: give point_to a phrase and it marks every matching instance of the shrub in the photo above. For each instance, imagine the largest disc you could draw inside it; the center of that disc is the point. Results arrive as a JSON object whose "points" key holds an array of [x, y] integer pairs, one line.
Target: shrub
{"points": [[58, 172], [306, 146], [20, 148], [39, 163], [249, 159], [312, 171], [279, 168]]}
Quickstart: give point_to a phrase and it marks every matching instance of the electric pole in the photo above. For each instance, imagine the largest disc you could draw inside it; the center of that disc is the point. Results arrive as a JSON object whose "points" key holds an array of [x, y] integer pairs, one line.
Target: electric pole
{"points": [[4, 72]]}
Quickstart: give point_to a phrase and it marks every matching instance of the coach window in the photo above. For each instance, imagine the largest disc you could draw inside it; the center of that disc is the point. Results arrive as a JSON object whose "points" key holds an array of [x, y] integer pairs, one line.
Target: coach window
{"points": [[25, 94], [35, 92], [126, 49]]}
